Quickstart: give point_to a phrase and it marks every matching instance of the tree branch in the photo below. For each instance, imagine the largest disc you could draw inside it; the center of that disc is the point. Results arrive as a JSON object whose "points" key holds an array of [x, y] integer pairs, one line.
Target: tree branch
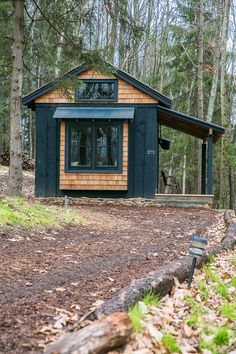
{"points": [[31, 73], [51, 24], [60, 15], [6, 37], [185, 52]]}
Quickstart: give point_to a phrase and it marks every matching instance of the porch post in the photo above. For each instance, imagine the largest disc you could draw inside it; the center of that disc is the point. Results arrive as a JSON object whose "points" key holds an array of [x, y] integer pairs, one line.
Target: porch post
{"points": [[158, 156], [203, 184], [209, 163]]}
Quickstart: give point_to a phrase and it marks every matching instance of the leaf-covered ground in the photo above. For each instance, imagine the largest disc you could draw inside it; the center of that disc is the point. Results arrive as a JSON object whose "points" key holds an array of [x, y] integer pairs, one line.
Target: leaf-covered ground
{"points": [[28, 182], [199, 320], [51, 277]]}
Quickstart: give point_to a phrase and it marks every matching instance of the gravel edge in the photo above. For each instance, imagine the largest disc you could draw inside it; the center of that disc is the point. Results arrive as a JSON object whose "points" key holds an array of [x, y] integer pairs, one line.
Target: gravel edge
{"points": [[161, 280]]}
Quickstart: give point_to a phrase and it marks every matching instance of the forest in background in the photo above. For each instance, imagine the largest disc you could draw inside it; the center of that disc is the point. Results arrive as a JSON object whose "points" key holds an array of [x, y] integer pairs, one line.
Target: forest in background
{"points": [[182, 48]]}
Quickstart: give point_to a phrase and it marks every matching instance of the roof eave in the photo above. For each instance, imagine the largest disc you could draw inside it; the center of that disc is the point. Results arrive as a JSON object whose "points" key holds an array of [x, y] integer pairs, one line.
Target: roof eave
{"points": [[217, 130], [162, 100], [28, 99]]}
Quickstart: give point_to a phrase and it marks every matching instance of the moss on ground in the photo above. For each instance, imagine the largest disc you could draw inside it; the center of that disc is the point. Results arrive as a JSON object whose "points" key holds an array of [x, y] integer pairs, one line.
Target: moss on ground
{"points": [[17, 211]]}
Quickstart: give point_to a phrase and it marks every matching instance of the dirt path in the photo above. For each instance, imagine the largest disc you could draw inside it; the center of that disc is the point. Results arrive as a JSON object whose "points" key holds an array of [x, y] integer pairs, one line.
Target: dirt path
{"points": [[47, 274]]}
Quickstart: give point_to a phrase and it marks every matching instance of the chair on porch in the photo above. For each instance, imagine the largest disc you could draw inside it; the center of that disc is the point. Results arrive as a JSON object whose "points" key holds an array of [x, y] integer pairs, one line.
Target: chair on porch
{"points": [[171, 181]]}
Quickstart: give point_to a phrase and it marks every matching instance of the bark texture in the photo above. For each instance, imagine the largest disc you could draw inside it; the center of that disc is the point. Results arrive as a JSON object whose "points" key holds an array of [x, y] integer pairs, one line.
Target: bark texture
{"points": [[213, 94], [200, 58], [200, 106], [224, 119], [15, 170], [98, 338]]}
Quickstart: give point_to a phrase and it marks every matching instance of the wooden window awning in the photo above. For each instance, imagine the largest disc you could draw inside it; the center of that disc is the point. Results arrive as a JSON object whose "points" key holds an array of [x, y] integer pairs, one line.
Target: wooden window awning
{"points": [[94, 113], [188, 125]]}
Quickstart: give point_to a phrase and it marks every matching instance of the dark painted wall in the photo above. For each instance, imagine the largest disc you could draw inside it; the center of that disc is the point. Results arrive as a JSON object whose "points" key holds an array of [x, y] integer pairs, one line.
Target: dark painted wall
{"points": [[143, 155], [47, 153]]}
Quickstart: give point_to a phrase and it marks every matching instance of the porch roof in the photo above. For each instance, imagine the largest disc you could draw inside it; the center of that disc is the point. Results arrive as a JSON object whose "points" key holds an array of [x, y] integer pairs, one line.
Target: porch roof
{"points": [[187, 124]]}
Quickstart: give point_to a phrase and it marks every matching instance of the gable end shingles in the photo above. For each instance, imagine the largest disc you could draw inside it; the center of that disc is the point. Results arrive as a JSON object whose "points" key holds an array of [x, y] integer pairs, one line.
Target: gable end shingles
{"points": [[126, 92]]}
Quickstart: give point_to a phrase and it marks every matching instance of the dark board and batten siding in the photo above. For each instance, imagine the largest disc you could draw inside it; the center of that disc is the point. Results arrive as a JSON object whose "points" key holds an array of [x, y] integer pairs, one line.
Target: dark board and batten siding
{"points": [[41, 152], [47, 153], [143, 153]]}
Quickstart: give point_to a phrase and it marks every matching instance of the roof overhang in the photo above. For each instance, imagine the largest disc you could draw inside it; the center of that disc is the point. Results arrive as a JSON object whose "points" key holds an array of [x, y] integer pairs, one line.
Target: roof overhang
{"points": [[29, 99], [94, 113], [188, 125]]}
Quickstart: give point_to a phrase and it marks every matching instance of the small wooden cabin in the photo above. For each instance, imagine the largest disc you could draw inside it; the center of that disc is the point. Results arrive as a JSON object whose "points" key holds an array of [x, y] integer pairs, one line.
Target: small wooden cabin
{"points": [[104, 140]]}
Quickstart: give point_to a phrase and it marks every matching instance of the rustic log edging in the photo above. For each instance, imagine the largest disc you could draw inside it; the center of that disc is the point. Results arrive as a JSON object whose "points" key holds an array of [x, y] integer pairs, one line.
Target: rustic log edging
{"points": [[115, 330], [161, 280], [98, 338]]}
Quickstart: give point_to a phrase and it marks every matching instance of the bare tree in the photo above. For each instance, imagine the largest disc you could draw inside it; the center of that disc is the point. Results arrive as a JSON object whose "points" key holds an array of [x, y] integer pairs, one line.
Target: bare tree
{"points": [[15, 170], [200, 107], [224, 120], [200, 58], [216, 63]]}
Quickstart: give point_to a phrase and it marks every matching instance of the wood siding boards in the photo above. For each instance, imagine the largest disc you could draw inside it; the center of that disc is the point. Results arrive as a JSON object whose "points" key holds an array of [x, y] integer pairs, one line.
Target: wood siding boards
{"points": [[94, 181], [29, 100], [150, 152], [143, 151], [46, 153], [45, 174], [51, 154], [126, 92], [139, 174], [41, 153]]}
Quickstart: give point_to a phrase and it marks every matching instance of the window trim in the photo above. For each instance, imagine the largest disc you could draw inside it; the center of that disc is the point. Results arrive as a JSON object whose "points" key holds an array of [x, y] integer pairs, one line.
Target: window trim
{"points": [[93, 169], [115, 99]]}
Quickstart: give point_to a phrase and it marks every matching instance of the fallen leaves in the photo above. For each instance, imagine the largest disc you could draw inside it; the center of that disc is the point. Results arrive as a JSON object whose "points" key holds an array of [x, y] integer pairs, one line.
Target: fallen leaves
{"points": [[200, 320], [60, 289], [61, 319]]}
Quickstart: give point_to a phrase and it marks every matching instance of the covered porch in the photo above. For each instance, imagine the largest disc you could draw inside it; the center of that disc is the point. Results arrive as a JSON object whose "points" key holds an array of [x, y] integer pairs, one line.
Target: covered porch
{"points": [[208, 133]]}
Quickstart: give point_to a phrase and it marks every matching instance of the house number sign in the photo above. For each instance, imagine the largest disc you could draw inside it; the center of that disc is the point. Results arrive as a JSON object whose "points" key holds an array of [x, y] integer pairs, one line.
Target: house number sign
{"points": [[150, 152]]}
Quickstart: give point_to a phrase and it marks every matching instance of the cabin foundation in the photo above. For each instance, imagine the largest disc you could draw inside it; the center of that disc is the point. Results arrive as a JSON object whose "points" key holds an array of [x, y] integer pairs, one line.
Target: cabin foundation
{"points": [[185, 200]]}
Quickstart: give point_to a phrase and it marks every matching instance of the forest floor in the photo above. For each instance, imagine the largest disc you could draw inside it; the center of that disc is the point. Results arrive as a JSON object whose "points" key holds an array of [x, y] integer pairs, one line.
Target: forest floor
{"points": [[51, 278]]}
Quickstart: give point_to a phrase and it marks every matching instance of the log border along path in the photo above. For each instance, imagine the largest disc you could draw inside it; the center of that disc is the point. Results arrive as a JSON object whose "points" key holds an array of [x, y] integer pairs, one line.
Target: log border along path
{"points": [[160, 281]]}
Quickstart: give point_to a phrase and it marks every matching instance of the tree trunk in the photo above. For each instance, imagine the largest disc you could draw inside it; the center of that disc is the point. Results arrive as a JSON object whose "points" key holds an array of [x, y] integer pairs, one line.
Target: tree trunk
{"points": [[231, 189], [216, 62], [15, 170], [146, 40], [98, 338], [200, 60], [122, 32], [113, 11], [224, 121], [200, 81], [232, 200], [58, 55]]}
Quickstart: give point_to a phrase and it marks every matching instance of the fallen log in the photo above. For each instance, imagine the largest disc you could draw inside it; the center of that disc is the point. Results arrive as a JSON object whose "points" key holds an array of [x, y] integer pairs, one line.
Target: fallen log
{"points": [[97, 338]]}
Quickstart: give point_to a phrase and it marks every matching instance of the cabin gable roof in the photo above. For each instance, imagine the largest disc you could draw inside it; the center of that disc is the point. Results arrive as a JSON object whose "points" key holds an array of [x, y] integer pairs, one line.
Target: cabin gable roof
{"points": [[164, 101]]}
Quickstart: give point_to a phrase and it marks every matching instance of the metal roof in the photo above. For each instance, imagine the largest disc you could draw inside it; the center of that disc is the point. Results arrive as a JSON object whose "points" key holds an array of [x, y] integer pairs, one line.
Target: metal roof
{"points": [[94, 113]]}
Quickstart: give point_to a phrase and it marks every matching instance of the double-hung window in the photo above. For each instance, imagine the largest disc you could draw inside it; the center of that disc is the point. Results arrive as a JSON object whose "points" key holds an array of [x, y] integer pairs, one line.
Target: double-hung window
{"points": [[94, 146]]}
